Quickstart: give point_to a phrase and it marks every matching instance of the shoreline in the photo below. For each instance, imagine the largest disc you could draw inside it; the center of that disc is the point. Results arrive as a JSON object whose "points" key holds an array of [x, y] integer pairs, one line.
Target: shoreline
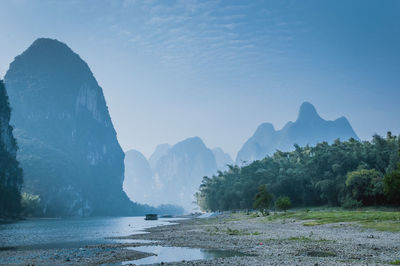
{"points": [[279, 242], [259, 241]]}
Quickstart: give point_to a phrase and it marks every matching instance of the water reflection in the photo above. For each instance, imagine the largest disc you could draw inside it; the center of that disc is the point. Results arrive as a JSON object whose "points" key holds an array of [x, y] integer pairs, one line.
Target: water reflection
{"points": [[177, 254], [50, 233]]}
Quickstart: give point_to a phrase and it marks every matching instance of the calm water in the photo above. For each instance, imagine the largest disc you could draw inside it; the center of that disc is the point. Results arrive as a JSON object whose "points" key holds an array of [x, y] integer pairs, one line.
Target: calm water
{"points": [[77, 232], [178, 254]]}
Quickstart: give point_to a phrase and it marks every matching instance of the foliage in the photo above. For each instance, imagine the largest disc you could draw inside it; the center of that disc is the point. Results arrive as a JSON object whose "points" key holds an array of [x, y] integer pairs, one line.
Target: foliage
{"points": [[311, 176], [350, 203], [30, 205], [283, 203], [262, 199], [10, 172], [392, 186], [366, 186]]}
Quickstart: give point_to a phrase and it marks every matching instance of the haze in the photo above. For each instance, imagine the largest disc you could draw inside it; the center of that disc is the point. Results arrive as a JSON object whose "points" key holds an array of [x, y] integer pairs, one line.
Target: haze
{"points": [[217, 69]]}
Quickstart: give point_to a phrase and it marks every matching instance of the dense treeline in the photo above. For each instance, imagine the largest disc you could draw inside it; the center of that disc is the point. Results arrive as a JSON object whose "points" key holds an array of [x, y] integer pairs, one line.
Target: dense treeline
{"points": [[10, 172], [347, 174]]}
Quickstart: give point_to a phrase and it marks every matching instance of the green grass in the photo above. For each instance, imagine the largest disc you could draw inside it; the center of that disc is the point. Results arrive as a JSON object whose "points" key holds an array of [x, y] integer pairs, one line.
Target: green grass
{"points": [[373, 219], [233, 231], [301, 238], [396, 262]]}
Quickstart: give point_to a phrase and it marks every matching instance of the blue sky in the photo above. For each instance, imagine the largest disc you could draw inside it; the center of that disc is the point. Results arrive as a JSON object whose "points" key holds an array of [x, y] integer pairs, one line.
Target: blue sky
{"points": [[217, 69]]}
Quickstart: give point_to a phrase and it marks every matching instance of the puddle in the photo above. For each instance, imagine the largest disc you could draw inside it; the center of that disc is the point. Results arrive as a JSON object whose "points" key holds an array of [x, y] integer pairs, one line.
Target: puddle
{"points": [[133, 241], [177, 254]]}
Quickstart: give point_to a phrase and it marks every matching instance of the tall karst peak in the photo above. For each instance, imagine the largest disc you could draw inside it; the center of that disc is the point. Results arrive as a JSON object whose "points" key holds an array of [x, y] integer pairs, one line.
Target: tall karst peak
{"points": [[193, 142], [52, 56], [223, 159], [308, 129], [264, 128], [178, 172], [308, 112], [68, 146]]}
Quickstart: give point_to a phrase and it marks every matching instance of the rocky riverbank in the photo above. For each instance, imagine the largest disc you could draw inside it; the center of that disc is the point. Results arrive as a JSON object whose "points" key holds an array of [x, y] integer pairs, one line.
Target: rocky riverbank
{"points": [[280, 242], [257, 240]]}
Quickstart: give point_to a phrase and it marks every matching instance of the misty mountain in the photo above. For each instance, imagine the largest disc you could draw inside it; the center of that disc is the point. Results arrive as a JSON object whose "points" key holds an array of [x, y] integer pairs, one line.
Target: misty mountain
{"points": [[68, 146], [160, 151], [222, 159], [10, 172], [176, 173], [308, 129], [138, 180]]}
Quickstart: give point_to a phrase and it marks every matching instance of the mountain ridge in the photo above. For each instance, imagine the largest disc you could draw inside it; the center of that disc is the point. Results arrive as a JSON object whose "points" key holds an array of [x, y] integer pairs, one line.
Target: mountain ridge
{"points": [[309, 128]]}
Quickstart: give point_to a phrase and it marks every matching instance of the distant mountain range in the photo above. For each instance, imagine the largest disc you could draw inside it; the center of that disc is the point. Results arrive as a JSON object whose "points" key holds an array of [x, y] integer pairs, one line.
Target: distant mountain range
{"points": [[71, 157], [308, 129], [174, 173], [177, 172]]}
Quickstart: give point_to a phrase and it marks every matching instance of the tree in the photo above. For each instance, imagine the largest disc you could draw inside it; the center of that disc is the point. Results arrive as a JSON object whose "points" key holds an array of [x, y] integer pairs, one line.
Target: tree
{"points": [[311, 176], [262, 199], [30, 205], [283, 203], [391, 186], [365, 186]]}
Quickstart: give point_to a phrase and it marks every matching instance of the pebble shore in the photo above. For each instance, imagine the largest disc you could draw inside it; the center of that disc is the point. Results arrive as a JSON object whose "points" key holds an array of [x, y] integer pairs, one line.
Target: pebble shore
{"points": [[282, 242]]}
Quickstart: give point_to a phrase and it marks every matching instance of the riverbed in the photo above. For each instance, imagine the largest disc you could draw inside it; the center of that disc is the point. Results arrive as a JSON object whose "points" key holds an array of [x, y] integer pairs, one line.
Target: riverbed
{"points": [[223, 240]]}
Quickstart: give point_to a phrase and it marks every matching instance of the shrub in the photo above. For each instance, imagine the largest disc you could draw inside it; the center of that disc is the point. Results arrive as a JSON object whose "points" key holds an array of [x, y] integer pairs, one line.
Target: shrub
{"points": [[30, 205], [391, 186], [350, 203], [283, 203]]}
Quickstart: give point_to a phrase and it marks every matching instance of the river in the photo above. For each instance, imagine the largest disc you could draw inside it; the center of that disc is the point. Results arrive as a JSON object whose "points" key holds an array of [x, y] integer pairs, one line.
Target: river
{"points": [[72, 232]]}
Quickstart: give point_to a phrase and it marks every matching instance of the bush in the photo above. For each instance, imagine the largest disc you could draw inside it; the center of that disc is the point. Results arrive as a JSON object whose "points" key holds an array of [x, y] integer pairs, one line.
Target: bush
{"points": [[391, 186], [365, 186], [30, 205], [350, 203], [283, 203]]}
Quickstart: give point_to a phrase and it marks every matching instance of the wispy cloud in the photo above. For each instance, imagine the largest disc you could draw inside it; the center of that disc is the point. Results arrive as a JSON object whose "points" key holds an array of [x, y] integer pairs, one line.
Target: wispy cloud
{"points": [[206, 33]]}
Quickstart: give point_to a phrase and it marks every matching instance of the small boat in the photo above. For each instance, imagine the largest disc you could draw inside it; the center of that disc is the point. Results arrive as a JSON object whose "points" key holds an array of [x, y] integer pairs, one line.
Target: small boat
{"points": [[166, 216], [151, 217]]}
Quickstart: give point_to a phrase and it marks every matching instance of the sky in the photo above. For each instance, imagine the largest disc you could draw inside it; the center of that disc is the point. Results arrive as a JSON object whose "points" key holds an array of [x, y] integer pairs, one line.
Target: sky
{"points": [[216, 69]]}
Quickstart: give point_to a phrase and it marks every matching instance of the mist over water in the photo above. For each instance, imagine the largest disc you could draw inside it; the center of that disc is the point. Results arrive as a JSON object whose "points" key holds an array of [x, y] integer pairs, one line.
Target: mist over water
{"points": [[253, 122], [73, 232]]}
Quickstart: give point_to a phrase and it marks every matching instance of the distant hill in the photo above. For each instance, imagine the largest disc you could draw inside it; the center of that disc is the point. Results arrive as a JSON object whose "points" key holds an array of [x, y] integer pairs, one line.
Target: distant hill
{"points": [[69, 151], [160, 151], [177, 172], [223, 159], [308, 129], [138, 182]]}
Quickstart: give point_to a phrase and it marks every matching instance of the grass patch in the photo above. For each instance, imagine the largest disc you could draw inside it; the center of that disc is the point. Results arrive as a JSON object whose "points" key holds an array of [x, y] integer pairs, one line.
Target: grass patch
{"points": [[388, 226], [233, 232], [236, 232], [301, 238], [395, 262], [374, 219]]}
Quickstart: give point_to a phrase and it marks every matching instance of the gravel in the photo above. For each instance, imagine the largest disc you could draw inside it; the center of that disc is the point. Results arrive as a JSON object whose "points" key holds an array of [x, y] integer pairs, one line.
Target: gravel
{"points": [[263, 243], [280, 242]]}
